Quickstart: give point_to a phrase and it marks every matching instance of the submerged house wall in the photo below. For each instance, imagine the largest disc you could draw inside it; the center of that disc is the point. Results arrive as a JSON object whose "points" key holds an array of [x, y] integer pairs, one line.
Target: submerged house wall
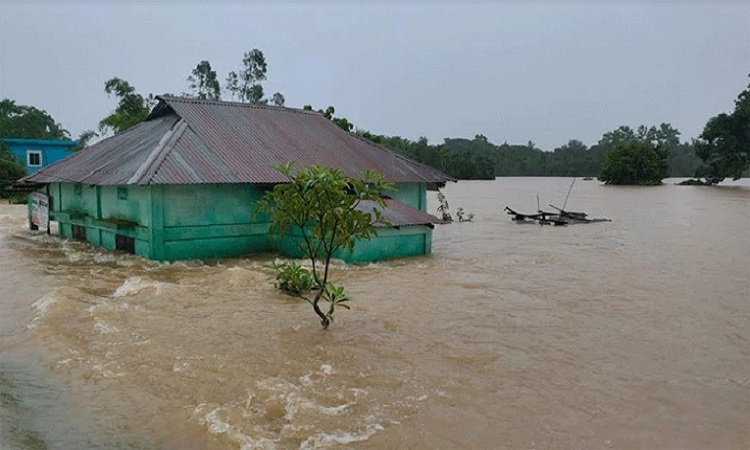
{"points": [[166, 222], [210, 221], [201, 221], [390, 243], [104, 215]]}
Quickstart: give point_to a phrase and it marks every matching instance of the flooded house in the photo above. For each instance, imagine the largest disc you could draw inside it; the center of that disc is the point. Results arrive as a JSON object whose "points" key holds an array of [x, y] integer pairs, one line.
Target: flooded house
{"points": [[182, 184]]}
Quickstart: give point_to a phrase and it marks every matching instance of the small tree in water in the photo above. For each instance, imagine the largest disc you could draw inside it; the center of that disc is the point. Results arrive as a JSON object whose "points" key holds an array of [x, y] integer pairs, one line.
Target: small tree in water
{"points": [[319, 208], [443, 207]]}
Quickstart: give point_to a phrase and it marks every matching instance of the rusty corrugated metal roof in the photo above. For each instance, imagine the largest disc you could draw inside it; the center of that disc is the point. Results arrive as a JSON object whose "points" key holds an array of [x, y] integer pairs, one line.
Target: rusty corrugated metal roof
{"points": [[187, 141], [399, 214], [111, 161]]}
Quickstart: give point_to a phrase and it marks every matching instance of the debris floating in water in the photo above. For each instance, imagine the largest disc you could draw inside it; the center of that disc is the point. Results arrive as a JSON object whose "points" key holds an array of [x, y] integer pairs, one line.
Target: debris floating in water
{"points": [[561, 217]]}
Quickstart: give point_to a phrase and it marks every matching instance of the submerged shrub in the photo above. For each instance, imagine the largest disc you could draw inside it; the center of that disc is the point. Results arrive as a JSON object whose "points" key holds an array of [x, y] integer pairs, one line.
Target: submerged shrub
{"points": [[293, 278]]}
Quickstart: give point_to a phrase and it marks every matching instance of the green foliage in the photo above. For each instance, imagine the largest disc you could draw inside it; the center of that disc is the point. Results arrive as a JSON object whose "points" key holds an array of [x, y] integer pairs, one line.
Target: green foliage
{"points": [[683, 161], [204, 83], [28, 122], [320, 206], [132, 108], [443, 207], [341, 122], [84, 139], [444, 210], [10, 169], [725, 143], [335, 296], [22, 122], [246, 84], [480, 159], [298, 281], [634, 163], [278, 99], [293, 278]]}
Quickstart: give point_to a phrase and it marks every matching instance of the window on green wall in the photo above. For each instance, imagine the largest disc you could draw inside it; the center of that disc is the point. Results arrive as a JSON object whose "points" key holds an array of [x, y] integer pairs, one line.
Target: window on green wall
{"points": [[122, 192]]}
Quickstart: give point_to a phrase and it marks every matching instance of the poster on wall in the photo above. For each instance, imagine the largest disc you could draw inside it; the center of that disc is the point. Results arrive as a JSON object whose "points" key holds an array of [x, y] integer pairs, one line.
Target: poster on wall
{"points": [[40, 210]]}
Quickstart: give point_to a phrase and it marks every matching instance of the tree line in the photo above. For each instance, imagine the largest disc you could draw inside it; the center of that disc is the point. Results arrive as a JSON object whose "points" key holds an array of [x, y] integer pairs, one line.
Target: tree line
{"points": [[480, 159], [645, 155]]}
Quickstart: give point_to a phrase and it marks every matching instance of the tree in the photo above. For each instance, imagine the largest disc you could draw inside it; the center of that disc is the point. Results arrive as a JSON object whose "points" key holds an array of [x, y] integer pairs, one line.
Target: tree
{"points": [[28, 122], [24, 122], [664, 136], [683, 161], [573, 159], [131, 110], [10, 169], [278, 99], [622, 135], [233, 81], [245, 84], [83, 139], [341, 122], [634, 163], [319, 208], [724, 145], [204, 83]]}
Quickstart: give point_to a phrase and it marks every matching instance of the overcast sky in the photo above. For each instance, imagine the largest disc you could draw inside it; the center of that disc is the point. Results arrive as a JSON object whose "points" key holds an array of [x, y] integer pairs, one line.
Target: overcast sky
{"points": [[546, 71]]}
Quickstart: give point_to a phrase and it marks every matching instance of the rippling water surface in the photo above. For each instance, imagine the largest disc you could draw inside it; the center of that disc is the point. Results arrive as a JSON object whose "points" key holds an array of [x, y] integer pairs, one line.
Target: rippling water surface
{"points": [[627, 334]]}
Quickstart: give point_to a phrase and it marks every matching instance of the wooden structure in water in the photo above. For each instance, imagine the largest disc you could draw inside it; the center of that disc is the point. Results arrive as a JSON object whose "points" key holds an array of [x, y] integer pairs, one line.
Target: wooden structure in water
{"points": [[561, 217]]}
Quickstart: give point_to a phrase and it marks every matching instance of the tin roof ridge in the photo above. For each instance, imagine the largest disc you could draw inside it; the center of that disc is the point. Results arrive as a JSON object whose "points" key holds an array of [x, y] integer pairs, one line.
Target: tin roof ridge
{"points": [[167, 98], [146, 172]]}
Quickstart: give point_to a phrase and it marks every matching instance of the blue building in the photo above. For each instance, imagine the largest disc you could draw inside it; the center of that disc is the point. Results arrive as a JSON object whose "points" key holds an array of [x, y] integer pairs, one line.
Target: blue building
{"points": [[35, 154]]}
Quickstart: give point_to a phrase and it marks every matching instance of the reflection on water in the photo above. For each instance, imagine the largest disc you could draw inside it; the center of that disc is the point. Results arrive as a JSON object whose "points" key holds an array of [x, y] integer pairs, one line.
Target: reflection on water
{"points": [[632, 333]]}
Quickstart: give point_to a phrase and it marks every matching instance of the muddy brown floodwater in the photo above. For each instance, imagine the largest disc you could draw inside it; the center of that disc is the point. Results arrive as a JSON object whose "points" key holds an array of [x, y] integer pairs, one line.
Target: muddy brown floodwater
{"points": [[628, 334]]}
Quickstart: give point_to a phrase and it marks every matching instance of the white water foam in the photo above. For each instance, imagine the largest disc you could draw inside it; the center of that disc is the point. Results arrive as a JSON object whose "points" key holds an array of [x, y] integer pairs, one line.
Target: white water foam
{"points": [[103, 327], [324, 440], [217, 425], [301, 411], [73, 254], [295, 402], [134, 285], [181, 366], [42, 306]]}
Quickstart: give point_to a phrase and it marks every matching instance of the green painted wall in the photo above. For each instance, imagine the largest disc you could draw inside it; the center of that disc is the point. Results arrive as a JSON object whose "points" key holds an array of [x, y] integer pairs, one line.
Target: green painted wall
{"points": [[104, 212], [392, 243], [389, 244], [74, 197], [411, 194], [130, 203], [178, 222], [211, 221]]}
